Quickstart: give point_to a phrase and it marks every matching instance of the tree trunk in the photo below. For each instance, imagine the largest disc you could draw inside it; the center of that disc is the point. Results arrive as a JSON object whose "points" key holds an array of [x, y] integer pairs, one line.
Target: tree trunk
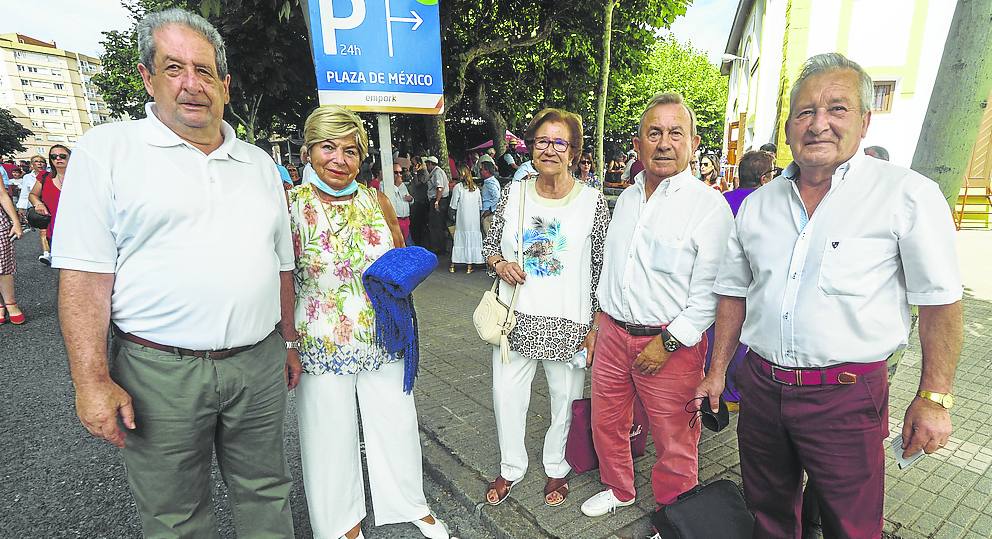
{"points": [[496, 121], [959, 96], [604, 85], [440, 137]]}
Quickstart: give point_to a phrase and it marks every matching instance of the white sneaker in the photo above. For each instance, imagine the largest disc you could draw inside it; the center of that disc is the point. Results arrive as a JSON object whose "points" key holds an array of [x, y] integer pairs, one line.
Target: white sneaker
{"points": [[438, 530], [45, 258], [602, 503]]}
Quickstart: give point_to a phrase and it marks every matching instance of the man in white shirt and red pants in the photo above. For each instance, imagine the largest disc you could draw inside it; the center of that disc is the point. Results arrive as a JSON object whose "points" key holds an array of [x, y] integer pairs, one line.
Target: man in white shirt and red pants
{"points": [[664, 245], [820, 270]]}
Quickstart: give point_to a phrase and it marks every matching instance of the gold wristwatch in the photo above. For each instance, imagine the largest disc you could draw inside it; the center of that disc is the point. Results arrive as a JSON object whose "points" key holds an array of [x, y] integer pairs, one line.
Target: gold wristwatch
{"points": [[944, 399]]}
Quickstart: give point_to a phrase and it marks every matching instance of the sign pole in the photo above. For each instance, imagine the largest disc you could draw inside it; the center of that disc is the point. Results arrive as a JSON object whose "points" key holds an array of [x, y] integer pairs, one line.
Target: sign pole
{"points": [[386, 154]]}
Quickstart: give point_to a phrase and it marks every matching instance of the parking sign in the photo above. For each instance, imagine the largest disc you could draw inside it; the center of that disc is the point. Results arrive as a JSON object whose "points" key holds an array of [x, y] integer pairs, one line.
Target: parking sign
{"points": [[378, 55]]}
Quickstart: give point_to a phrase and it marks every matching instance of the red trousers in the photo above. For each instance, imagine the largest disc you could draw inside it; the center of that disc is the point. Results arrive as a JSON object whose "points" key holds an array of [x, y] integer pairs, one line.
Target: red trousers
{"points": [[615, 382], [835, 432]]}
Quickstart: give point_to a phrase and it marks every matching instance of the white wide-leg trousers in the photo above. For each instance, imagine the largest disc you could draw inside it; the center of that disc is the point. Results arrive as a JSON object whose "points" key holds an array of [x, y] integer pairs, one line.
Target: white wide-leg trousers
{"points": [[332, 462], [511, 398]]}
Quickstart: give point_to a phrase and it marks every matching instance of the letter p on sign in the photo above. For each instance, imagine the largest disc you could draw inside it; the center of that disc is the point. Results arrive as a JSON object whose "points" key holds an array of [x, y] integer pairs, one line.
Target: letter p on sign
{"points": [[330, 23]]}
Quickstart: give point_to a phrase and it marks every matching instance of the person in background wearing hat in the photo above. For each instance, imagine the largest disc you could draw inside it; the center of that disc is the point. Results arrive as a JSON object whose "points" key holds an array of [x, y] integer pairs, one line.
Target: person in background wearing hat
{"points": [[437, 205]]}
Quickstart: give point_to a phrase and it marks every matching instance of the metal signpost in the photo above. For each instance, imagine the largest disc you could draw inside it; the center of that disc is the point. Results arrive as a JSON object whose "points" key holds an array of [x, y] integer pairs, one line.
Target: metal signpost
{"points": [[380, 56]]}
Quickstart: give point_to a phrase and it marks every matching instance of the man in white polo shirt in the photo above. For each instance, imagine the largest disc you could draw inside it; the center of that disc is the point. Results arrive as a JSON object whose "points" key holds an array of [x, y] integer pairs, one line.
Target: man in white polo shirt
{"points": [[192, 288], [821, 268], [665, 242]]}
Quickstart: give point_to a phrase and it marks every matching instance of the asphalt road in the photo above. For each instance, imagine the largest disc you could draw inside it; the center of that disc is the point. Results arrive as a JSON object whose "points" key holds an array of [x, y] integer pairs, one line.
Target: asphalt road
{"points": [[57, 481]]}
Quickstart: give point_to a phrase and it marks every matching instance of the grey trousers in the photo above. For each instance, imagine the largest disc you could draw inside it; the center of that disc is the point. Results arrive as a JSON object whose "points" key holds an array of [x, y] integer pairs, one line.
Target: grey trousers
{"points": [[185, 409]]}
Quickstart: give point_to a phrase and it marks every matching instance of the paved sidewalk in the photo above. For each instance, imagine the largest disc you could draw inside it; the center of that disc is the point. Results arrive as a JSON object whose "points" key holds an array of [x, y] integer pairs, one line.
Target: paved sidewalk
{"points": [[945, 495]]}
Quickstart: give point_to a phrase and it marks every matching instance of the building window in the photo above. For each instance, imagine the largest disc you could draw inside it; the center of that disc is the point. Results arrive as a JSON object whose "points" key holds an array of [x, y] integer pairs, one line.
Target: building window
{"points": [[25, 82], [35, 123], [31, 110], [882, 101], [59, 86], [21, 68]]}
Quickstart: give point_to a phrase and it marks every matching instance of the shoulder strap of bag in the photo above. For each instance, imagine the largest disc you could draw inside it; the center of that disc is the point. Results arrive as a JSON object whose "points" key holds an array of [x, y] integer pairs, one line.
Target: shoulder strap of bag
{"points": [[520, 238]]}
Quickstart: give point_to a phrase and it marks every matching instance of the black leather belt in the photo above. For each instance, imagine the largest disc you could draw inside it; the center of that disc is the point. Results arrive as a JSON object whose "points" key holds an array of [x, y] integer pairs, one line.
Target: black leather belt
{"points": [[637, 330]]}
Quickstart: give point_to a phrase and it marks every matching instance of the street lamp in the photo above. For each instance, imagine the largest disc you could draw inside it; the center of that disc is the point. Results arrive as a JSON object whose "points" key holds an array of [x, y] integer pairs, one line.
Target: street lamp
{"points": [[727, 58]]}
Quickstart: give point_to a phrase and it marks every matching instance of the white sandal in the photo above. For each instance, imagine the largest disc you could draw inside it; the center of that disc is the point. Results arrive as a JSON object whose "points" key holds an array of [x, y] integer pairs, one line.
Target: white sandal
{"points": [[438, 530]]}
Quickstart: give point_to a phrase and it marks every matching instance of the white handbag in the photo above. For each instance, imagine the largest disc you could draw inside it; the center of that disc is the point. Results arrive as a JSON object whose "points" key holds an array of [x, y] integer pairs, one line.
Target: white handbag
{"points": [[494, 320]]}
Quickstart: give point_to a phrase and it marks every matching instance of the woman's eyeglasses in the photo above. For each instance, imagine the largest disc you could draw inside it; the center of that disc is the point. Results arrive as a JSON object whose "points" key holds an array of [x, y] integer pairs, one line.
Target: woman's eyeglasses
{"points": [[585, 162], [55, 156], [558, 145]]}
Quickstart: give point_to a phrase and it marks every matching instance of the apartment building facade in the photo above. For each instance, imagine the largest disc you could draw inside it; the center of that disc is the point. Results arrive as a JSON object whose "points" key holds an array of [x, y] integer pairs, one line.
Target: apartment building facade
{"points": [[49, 91]]}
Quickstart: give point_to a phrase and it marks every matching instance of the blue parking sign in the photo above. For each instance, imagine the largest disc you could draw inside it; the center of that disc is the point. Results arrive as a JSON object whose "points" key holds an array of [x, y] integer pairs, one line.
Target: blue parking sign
{"points": [[378, 55]]}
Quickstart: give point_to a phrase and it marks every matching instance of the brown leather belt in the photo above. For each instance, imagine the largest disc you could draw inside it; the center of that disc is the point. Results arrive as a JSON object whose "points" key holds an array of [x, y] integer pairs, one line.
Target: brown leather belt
{"points": [[843, 374], [204, 354], [637, 330]]}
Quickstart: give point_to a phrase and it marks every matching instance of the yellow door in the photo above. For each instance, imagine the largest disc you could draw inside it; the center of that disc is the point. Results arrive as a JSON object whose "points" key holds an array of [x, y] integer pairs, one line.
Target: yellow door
{"points": [[975, 199]]}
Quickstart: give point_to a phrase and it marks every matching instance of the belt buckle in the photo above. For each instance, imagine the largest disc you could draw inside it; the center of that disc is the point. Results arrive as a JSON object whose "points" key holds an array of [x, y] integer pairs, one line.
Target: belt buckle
{"points": [[799, 378], [847, 378]]}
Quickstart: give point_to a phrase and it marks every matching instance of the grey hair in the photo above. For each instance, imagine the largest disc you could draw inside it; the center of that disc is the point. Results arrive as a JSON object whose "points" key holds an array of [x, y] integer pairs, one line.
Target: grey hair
{"points": [[668, 98], [160, 19], [831, 61]]}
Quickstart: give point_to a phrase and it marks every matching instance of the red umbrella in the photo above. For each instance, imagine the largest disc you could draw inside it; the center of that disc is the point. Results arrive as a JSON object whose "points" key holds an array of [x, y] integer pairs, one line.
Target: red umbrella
{"points": [[511, 139]]}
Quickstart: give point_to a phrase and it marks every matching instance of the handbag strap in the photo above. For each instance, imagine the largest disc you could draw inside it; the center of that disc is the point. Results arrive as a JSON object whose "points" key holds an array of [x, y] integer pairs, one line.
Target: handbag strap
{"points": [[520, 239]]}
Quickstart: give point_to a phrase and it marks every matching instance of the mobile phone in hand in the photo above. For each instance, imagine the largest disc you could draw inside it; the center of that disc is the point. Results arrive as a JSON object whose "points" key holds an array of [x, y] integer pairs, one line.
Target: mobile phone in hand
{"points": [[897, 450]]}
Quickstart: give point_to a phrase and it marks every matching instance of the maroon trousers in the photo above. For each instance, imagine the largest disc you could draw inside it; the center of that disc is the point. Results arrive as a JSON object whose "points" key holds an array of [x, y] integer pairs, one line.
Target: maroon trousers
{"points": [[835, 432]]}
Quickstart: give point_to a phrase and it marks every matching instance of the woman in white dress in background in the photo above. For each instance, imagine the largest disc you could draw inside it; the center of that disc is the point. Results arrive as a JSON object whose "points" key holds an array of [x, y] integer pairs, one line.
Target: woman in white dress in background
{"points": [[466, 201]]}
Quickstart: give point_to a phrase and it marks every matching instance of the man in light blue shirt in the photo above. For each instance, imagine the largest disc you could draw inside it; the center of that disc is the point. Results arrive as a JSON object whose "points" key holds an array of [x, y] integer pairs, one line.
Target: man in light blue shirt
{"points": [[490, 193]]}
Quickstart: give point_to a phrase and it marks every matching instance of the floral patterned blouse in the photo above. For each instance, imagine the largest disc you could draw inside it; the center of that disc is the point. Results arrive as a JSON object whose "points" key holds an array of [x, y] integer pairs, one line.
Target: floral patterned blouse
{"points": [[334, 243]]}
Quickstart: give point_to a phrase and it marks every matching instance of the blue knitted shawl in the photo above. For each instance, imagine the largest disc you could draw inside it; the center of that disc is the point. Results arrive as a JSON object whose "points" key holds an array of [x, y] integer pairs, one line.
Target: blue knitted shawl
{"points": [[389, 283]]}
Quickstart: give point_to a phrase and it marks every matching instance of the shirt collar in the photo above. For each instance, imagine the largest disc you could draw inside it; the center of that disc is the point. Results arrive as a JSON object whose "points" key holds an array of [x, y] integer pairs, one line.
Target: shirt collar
{"points": [[791, 172], [672, 183], [159, 134]]}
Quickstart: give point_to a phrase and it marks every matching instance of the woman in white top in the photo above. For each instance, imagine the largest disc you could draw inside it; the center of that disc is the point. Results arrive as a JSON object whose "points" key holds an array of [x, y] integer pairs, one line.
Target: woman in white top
{"points": [[466, 200], [564, 231]]}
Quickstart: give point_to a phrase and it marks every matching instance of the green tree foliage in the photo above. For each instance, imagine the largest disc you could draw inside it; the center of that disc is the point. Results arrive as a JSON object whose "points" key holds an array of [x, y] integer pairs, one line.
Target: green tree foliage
{"points": [[562, 70], [12, 134], [272, 76], [671, 67]]}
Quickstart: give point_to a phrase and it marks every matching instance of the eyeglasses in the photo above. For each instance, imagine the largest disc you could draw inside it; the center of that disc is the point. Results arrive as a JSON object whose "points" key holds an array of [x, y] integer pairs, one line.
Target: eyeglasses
{"points": [[55, 156], [558, 145], [397, 172], [585, 162]]}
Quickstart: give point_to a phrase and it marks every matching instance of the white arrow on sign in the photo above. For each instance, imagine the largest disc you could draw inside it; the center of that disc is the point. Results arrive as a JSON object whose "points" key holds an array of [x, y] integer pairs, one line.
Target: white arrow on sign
{"points": [[416, 20]]}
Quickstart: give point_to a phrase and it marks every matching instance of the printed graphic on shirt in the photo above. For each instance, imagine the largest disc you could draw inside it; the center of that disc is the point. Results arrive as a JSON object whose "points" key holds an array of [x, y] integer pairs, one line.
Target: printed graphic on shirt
{"points": [[543, 242]]}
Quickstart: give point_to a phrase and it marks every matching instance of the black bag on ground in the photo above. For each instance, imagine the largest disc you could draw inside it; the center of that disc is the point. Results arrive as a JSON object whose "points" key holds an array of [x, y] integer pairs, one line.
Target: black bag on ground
{"points": [[706, 512]]}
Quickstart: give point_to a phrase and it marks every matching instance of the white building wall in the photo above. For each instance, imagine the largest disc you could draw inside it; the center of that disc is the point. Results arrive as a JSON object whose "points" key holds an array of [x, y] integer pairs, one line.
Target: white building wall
{"points": [[879, 40], [899, 130], [766, 102]]}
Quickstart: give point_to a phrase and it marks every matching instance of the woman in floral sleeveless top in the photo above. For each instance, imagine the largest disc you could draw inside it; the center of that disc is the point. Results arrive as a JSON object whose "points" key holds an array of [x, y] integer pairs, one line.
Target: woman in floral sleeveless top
{"points": [[339, 228]]}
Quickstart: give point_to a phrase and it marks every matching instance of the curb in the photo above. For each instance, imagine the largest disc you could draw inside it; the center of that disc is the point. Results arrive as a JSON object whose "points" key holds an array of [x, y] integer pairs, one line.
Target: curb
{"points": [[509, 520]]}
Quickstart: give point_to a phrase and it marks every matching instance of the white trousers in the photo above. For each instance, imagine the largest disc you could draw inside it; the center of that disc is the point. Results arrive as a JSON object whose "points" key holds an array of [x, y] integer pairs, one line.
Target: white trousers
{"points": [[332, 461], [511, 399]]}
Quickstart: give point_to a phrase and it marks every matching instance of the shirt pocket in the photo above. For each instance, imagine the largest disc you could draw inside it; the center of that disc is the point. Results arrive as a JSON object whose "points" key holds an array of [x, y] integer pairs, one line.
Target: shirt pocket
{"points": [[855, 266], [668, 255]]}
